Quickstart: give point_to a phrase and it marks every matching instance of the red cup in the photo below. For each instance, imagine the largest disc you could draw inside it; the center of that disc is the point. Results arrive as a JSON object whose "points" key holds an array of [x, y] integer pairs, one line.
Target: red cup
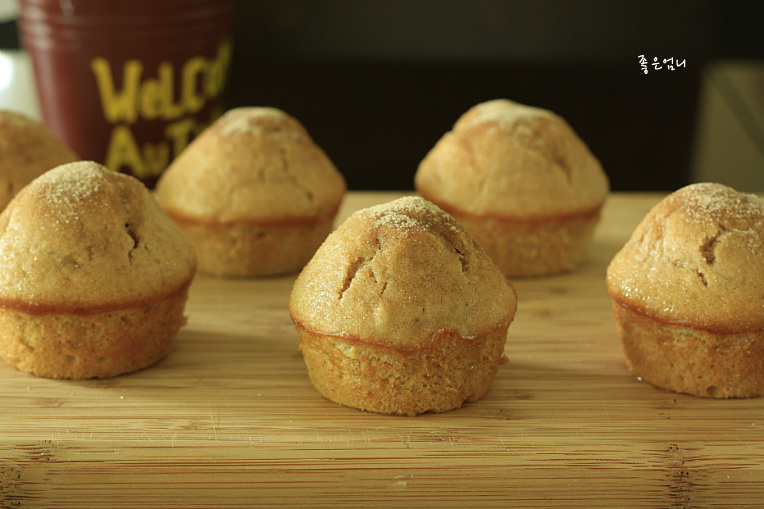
{"points": [[128, 83]]}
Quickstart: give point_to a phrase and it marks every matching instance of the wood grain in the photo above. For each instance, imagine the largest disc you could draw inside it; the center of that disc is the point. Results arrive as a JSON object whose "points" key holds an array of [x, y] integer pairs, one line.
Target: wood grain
{"points": [[230, 418]]}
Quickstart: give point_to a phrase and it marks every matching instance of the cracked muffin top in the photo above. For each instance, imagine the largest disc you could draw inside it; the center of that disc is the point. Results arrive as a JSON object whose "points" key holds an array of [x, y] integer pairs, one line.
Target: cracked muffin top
{"points": [[253, 164], [81, 238], [696, 259], [399, 273], [27, 150], [507, 159]]}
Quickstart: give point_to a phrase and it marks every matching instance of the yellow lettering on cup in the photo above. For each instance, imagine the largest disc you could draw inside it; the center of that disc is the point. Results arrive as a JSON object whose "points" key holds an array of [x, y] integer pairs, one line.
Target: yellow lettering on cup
{"points": [[156, 157], [118, 106], [123, 154], [151, 99], [122, 151], [191, 69], [170, 110], [218, 71], [179, 133]]}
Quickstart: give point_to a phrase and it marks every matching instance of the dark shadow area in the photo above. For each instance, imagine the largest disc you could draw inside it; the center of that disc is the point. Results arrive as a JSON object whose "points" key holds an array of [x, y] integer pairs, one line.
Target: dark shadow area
{"points": [[377, 82]]}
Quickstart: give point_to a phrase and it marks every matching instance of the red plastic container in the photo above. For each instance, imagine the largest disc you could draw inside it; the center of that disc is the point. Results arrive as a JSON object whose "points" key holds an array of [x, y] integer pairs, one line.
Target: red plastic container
{"points": [[129, 83]]}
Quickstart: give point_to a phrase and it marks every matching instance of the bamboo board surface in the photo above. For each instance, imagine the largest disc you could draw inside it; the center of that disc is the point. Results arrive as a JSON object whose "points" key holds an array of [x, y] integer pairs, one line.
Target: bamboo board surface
{"points": [[230, 419]]}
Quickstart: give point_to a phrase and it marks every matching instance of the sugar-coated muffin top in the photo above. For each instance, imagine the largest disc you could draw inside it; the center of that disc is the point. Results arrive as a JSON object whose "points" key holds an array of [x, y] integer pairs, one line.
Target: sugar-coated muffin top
{"points": [[81, 238], [253, 164], [696, 259], [397, 274], [507, 159], [27, 150]]}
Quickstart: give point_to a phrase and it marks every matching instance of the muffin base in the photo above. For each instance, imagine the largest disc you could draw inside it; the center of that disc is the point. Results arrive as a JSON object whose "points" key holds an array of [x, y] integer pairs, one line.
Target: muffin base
{"points": [[82, 346], [536, 247], [388, 380], [532, 246], [688, 360], [239, 250]]}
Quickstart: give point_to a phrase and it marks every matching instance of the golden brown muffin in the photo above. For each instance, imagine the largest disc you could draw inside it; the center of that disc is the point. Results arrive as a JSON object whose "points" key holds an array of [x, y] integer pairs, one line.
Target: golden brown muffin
{"points": [[401, 312], [688, 293], [93, 275], [255, 195], [521, 182], [27, 150]]}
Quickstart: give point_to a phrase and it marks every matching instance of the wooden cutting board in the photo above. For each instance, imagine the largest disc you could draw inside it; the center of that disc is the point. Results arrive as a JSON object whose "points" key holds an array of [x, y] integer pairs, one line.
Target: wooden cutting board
{"points": [[230, 418]]}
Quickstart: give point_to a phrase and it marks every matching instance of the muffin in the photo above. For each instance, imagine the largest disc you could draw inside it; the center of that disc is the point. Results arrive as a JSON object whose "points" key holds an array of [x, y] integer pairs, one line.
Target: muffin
{"points": [[27, 150], [253, 193], [522, 183], [93, 275], [401, 312], [688, 293]]}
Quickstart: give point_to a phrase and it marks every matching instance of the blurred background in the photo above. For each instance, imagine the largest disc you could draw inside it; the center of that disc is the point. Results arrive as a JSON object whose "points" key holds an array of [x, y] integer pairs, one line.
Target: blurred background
{"points": [[377, 82]]}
